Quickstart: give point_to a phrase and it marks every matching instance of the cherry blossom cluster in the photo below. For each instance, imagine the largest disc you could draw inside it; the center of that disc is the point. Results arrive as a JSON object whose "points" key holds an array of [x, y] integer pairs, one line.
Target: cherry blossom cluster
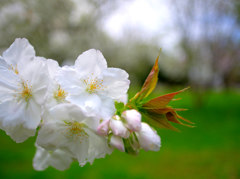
{"points": [[80, 112]]}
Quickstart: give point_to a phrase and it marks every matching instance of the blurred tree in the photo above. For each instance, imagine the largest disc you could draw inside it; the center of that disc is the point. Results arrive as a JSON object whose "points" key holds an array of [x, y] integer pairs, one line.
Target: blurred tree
{"points": [[210, 39]]}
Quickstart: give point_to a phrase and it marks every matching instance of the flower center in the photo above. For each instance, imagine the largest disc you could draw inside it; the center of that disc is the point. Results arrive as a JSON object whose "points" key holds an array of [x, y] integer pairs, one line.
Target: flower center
{"points": [[76, 129], [92, 85], [26, 93], [59, 94]]}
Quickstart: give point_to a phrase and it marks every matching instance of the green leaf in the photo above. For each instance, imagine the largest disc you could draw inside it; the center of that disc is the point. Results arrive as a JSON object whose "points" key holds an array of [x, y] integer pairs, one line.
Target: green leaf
{"points": [[120, 107], [129, 148]]}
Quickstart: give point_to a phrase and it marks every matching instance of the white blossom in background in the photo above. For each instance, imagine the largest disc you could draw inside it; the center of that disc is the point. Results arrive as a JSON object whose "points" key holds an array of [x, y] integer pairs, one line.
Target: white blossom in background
{"points": [[23, 88], [57, 159], [70, 130], [92, 85]]}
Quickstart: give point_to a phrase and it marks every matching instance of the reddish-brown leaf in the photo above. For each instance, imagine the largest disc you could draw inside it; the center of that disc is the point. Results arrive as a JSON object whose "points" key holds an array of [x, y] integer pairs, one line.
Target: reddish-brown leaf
{"points": [[161, 101], [149, 84], [158, 120], [171, 115]]}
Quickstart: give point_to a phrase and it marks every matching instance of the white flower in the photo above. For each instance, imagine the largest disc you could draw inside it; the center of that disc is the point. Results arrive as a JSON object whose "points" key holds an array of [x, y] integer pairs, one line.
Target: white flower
{"points": [[117, 142], [56, 94], [69, 129], [23, 87], [93, 86], [57, 159], [118, 127], [133, 119], [148, 138]]}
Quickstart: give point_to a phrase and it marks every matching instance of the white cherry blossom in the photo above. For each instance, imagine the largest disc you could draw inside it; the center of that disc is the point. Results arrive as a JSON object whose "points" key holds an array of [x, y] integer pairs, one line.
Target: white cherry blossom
{"points": [[92, 85], [23, 87], [70, 130]]}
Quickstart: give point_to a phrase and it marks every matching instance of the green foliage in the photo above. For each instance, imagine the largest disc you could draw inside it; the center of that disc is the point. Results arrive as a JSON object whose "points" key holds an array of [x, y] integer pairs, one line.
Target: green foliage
{"points": [[120, 107]]}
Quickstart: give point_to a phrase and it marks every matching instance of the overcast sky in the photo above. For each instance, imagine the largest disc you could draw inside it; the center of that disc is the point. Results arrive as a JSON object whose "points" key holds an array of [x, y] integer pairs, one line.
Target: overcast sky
{"points": [[149, 18]]}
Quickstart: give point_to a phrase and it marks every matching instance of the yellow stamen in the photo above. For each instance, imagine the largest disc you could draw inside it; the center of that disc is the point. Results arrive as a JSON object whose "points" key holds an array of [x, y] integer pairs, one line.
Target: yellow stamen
{"points": [[26, 92], [76, 129], [93, 85], [14, 69], [60, 94]]}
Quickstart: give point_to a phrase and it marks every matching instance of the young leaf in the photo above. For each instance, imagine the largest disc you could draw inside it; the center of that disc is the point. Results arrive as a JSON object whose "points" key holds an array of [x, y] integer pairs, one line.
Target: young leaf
{"points": [[161, 101], [149, 84], [170, 114], [158, 120]]}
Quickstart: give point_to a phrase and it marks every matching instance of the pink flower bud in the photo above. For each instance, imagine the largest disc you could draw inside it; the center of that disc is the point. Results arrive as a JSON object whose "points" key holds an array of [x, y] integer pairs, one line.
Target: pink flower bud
{"points": [[117, 142], [103, 128], [118, 127], [148, 138], [133, 119]]}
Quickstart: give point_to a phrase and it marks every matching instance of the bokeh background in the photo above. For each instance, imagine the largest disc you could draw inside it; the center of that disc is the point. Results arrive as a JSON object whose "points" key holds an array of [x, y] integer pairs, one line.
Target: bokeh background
{"points": [[200, 48]]}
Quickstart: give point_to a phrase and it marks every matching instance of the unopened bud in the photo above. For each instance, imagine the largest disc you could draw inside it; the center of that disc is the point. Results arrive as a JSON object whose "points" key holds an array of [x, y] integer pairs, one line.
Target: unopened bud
{"points": [[118, 127], [148, 138], [103, 128], [133, 119], [117, 142]]}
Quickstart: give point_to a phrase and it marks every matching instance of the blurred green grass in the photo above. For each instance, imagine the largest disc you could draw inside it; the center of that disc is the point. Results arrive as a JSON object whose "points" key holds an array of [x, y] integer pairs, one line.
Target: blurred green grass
{"points": [[211, 150]]}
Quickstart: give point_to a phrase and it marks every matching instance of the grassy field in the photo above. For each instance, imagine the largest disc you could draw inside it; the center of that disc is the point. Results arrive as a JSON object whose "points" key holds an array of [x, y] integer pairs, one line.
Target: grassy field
{"points": [[211, 150]]}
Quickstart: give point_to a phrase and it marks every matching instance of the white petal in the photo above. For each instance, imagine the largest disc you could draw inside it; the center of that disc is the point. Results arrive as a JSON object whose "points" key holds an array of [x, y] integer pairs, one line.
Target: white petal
{"points": [[117, 142], [12, 121], [19, 133], [93, 105], [148, 138], [98, 147], [70, 80], [91, 62], [53, 67], [19, 53], [133, 119], [8, 84], [57, 159], [116, 84], [32, 115], [19, 120], [118, 128], [36, 75]]}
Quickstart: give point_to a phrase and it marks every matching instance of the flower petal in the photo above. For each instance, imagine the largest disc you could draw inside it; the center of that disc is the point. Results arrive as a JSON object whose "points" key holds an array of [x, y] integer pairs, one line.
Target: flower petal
{"points": [[116, 84], [57, 159], [91, 62], [19, 53]]}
